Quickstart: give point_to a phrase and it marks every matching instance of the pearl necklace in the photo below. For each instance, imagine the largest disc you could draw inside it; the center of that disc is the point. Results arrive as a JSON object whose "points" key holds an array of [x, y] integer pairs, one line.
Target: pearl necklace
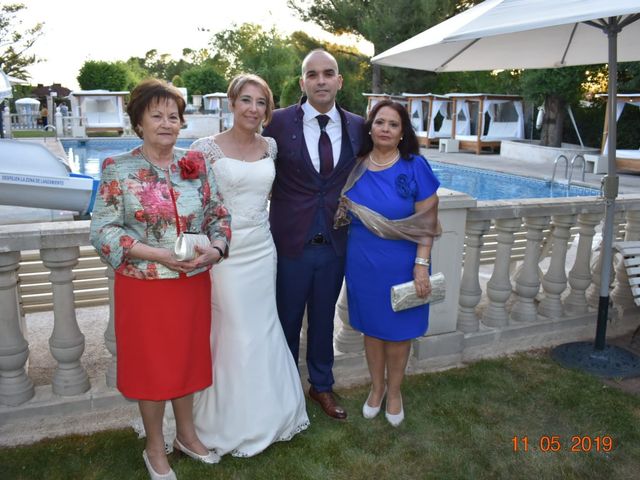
{"points": [[386, 164]]}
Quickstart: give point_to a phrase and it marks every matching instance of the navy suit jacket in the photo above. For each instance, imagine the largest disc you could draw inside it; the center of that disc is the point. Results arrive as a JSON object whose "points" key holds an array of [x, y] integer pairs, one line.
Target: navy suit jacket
{"points": [[298, 189]]}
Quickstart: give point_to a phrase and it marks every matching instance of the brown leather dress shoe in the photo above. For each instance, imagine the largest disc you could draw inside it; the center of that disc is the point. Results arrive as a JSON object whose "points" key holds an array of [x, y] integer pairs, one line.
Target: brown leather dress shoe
{"points": [[328, 404]]}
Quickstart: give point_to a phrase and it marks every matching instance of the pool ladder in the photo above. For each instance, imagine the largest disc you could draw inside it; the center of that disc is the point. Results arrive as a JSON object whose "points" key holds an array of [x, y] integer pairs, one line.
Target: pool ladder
{"points": [[566, 167]]}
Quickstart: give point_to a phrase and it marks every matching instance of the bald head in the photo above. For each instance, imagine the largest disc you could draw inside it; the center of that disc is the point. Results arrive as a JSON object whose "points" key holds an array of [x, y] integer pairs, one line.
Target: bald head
{"points": [[320, 80], [318, 53]]}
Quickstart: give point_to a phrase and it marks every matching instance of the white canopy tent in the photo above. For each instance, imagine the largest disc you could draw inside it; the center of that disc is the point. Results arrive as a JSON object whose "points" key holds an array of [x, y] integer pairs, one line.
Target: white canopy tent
{"points": [[100, 109], [424, 109], [499, 127], [628, 160]]}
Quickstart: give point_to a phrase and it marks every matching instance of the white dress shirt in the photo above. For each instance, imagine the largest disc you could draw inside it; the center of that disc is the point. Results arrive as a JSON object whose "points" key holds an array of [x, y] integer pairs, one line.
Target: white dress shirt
{"points": [[311, 130]]}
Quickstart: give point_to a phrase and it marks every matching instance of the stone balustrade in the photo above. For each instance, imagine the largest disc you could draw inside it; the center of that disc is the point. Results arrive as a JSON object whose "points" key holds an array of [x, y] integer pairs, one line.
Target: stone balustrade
{"points": [[489, 310]]}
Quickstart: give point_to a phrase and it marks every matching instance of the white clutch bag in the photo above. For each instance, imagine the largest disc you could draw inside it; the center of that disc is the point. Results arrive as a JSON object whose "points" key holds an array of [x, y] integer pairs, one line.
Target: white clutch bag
{"points": [[404, 296], [186, 242]]}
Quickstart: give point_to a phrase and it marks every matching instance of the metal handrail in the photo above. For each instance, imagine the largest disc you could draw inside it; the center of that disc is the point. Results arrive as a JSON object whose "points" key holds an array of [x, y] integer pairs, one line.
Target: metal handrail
{"points": [[573, 160], [555, 164], [50, 127]]}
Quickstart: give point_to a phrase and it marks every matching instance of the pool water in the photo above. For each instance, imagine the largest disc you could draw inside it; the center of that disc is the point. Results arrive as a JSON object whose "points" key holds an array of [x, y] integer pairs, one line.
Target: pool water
{"points": [[476, 182], [489, 185], [90, 153]]}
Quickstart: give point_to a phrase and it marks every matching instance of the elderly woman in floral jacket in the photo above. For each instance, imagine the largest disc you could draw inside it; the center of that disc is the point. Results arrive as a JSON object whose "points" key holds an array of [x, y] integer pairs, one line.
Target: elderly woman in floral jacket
{"points": [[147, 198]]}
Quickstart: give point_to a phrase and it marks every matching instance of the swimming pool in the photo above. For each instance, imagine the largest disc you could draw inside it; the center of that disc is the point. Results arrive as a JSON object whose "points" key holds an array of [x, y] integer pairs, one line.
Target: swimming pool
{"points": [[480, 184], [489, 185]]}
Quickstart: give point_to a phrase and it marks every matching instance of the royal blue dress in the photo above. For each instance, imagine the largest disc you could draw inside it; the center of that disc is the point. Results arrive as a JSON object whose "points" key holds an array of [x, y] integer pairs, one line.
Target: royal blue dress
{"points": [[374, 264]]}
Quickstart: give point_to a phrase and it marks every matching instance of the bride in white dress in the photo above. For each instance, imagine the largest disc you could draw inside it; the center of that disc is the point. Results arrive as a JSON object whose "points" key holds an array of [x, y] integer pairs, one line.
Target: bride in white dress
{"points": [[256, 397]]}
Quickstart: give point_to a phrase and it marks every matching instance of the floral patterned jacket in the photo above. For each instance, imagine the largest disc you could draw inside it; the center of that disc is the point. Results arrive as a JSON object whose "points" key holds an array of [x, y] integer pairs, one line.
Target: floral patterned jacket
{"points": [[134, 205]]}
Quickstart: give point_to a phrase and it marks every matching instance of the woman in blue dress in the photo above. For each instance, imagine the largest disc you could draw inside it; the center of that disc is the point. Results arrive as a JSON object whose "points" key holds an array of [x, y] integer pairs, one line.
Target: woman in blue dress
{"points": [[392, 203]]}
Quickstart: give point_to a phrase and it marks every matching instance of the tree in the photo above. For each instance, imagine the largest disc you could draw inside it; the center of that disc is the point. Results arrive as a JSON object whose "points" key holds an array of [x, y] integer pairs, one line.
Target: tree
{"points": [[556, 88], [204, 79], [250, 49], [384, 23], [113, 76], [15, 41]]}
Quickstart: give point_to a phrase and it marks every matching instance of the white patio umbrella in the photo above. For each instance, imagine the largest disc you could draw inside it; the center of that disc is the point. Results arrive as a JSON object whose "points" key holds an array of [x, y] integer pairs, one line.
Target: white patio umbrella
{"points": [[503, 34]]}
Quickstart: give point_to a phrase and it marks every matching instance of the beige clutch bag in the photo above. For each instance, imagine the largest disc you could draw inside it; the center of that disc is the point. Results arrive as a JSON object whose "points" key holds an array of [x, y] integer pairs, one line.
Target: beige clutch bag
{"points": [[404, 296], [184, 248]]}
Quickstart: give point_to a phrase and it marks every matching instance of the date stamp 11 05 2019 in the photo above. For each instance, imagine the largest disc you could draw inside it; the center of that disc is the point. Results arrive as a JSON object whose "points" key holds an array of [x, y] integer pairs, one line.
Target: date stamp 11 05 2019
{"points": [[557, 443]]}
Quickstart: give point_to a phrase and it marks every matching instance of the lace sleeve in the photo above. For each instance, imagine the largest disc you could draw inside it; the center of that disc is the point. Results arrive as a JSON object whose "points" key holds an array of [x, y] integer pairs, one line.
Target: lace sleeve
{"points": [[272, 146], [209, 148]]}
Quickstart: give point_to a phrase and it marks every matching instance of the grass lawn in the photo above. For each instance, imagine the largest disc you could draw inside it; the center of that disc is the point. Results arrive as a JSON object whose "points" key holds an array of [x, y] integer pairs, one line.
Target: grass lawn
{"points": [[32, 133], [460, 424]]}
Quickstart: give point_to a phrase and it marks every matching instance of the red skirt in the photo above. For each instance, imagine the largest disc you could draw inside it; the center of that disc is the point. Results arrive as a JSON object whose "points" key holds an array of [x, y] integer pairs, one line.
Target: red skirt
{"points": [[162, 336]]}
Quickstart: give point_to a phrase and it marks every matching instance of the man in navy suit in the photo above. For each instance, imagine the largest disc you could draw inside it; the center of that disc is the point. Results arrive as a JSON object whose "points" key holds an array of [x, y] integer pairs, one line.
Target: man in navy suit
{"points": [[315, 156]]}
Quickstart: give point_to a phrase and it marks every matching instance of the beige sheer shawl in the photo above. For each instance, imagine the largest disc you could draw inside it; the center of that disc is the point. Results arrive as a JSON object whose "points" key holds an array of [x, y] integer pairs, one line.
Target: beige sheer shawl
{"points": [[420, 228]]}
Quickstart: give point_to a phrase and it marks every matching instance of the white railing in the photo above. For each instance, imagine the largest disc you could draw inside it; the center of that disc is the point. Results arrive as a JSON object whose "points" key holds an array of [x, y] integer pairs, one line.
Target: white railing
{"points": [[541, 302]]}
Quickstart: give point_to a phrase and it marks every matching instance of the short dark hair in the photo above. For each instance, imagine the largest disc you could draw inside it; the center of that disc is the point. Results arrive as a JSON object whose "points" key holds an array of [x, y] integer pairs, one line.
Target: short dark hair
{"points": [[409, 143], [150, 90]]}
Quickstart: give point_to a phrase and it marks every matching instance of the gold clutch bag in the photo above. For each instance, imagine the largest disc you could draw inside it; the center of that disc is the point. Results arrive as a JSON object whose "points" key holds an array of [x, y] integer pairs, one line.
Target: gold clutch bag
{"points": [[404, 296], [186, 242]]}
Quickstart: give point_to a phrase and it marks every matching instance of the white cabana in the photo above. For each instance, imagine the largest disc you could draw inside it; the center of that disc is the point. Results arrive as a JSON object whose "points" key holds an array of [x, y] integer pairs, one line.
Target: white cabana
{"points": [[100, 109], [428, 110], [625, 159], [373, 98], [28, 110], [504, 123], [218, 104]]}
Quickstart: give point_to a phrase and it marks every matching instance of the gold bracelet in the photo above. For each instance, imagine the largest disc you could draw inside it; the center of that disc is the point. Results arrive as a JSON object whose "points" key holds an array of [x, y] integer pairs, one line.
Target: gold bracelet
{"points": [[422, 261]]}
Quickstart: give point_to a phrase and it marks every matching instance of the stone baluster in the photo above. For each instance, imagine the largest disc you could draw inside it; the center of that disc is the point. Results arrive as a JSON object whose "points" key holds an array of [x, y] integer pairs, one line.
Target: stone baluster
{"points": [[593, 292], [528, 279], [15, 386], [110, 335], [621, 294], [347, 340], [499, 285], [554, 282], [470, 291], [66, 342], [580, 274]]}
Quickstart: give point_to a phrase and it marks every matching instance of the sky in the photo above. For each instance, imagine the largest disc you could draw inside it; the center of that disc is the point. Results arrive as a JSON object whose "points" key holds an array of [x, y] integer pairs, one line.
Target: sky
{"points": [[79, 30]]}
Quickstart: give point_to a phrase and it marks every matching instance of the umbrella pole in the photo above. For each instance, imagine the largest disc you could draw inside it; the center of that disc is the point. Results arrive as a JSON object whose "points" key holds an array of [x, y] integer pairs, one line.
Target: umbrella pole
{"points": [[610, 189]]}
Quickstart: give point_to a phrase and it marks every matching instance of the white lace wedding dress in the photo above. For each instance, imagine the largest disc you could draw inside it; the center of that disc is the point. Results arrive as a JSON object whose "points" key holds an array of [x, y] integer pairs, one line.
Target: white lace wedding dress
{"points": [[256, 397]]}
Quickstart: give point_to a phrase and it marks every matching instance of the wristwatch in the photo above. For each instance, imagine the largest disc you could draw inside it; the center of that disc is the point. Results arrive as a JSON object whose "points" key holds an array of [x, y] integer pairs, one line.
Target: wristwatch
{"points": [[219, 251]]}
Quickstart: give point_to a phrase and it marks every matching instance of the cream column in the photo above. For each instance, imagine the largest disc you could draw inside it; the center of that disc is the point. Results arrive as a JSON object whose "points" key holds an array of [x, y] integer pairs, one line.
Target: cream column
{"points": [[110, 335], [470, 291], [66, 342], [580, 274], [499, 286], [347, 340], [15, 386], [528, 280], [621, 294], [593, 292], [554, 281]]}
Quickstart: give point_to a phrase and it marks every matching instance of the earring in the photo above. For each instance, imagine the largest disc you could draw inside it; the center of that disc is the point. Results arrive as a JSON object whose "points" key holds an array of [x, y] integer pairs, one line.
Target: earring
{"points": [[401, 138], [369, 132]]}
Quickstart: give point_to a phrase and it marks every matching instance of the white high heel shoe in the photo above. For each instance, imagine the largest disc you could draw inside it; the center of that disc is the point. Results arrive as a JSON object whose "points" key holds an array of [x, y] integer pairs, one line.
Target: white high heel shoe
{"points": [[395, 419], [211, 458], [170, 475], [371, 412]]}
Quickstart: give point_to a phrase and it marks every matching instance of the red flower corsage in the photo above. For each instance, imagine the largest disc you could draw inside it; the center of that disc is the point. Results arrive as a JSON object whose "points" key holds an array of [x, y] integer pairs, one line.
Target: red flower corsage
{"points": [[191, 167]]}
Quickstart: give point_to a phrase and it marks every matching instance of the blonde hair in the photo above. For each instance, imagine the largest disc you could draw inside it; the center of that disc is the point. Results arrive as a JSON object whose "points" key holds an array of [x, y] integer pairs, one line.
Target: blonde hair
{"points": [[238, 83]]}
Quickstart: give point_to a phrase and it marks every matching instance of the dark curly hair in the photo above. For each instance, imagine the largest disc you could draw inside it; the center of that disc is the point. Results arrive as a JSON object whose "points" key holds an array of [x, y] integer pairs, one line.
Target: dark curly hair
{"points": [[408, 145], [148, 91]]}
